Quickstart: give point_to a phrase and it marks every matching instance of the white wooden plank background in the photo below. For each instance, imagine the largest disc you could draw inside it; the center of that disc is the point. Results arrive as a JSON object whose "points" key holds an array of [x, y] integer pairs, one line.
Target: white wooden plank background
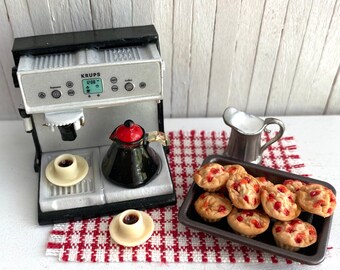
{"points": [[288, 55], [246, 47], [225, 38], [318, 25], [266, 57]]}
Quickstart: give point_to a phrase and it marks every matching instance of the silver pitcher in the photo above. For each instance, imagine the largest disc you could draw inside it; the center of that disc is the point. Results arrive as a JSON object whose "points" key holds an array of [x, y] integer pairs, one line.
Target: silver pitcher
{"points": [[245, 138]]}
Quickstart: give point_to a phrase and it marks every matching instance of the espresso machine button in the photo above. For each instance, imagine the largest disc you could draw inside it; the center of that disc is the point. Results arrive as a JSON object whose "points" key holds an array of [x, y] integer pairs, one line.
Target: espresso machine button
{"points": [[71, 92], [114, 88], [69, 84], [129, 86], [56, 94], [113, 80]]}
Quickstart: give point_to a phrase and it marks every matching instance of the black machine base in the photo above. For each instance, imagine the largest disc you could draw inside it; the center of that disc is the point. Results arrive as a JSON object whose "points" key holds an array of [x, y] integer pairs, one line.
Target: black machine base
{"points": [[80, 213]]}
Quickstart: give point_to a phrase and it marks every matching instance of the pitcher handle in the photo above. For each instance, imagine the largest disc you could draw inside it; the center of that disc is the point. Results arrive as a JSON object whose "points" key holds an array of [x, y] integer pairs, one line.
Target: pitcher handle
{"points": [[272, 121]]}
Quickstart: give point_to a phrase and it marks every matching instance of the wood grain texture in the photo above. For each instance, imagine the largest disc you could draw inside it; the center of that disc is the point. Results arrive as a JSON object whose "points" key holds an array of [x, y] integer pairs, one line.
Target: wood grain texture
{"points": [[81, 16], [302, 96], [40, 15], [225, 36], [268, 46], [181, 57], [20, 19], [61, 16], [10, 96], [292, 37], [163, 22], [246, 46], [121, 13], [266, 57], [142, 12], [334, 98], [101, 14], [201, 51], [323, 78]]}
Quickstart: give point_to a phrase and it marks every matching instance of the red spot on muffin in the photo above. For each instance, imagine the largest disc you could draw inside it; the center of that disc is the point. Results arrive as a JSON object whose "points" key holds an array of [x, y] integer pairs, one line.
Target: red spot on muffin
{"points": [[278, 229], [291, 199], [244, 180], [214, 171], [312, 231], [287, 182], [239, 218], [282, 189], [314, 193], [235, 186], [332, 198], [329, 211], [286, 212], [262, 179], [231, 169], [299, 237], [271, 197], [277, 205], [247, 213], [221, 208], [246, 198], [319, 203], [203, 195], [256, 223], [294, 222], [257, 188]]}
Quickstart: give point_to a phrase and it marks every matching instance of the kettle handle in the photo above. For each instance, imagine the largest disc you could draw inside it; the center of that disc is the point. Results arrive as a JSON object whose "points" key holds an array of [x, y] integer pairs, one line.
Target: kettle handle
{"points": [[157, 136], [272, 121]]}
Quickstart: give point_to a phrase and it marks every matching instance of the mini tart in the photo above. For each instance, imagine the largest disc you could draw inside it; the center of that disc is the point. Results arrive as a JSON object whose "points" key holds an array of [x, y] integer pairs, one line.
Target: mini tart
{"points": [[212, 206], [249, 223], [244, 191], [279, 202], [293, 185], [316, 199], [211, 177], [293, 235]]}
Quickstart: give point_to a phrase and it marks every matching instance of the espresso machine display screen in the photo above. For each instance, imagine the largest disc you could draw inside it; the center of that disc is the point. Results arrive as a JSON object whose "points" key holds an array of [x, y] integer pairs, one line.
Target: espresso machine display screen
{"points": [[77, 88], [92, 86]]}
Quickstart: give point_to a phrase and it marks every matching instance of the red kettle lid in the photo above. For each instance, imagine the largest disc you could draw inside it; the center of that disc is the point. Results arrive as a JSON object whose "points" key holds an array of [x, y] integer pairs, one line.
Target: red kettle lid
{"points": [[128, 132]]}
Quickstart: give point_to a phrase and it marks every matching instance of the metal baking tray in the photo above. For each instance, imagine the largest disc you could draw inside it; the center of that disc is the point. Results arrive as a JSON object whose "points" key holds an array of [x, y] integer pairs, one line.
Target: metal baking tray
{"points": [[313, 254]]}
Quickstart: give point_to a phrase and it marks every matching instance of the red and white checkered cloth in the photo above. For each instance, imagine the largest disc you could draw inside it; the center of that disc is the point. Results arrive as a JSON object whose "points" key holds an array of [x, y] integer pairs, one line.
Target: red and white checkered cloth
{"points": [[89, 240]]}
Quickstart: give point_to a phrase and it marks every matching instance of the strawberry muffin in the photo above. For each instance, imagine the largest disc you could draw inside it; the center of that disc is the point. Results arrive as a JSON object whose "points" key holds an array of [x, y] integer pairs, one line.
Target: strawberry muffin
{"points": [[293, 235], [279, 203], [212, 206], [244, 191], [235, 169], [263, 182], [316, 199], [211, 177], [249, 223], [293, 185]]}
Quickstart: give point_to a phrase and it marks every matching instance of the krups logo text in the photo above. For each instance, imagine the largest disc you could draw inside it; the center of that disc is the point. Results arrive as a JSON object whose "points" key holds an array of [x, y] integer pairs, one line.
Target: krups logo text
{"points": [[90, 75]]}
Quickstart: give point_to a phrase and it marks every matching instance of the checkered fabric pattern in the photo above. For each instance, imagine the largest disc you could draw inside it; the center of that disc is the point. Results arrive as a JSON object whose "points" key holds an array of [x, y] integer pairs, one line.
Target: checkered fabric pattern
{"points": [[89, 240]]}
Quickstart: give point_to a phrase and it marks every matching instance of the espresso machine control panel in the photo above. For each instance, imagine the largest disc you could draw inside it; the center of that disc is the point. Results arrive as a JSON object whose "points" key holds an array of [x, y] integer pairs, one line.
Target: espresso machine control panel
{"points": [[90, 78]]}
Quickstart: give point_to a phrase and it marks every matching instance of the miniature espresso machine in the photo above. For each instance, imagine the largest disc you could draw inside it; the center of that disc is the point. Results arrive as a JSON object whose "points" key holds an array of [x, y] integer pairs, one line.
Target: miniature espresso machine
{"points": [[93, 103]]}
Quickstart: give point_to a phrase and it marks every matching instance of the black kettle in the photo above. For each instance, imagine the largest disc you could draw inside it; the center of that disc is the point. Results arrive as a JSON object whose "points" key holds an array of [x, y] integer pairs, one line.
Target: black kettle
{"points": [[130, 162]]}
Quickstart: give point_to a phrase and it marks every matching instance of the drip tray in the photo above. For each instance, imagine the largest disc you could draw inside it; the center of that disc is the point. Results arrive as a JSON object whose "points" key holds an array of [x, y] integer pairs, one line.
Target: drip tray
{"points": [[87, 192], [96, 196]]}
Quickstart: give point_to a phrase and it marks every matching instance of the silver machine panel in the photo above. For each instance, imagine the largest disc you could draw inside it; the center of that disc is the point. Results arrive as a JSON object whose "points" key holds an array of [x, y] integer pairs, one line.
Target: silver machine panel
{"points": [[90, 78]]}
